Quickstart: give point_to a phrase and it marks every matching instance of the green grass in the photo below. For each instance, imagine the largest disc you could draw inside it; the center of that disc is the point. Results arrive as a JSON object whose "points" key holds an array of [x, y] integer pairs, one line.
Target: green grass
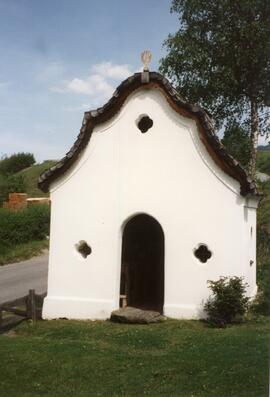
{"points": [[31, 175], [175, 358], [19, 252]]}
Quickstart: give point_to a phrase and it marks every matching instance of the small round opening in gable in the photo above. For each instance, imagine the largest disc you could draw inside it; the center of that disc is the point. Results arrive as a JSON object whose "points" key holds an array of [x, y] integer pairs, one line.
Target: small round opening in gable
{"points": [[83, 248], [144, 123]]}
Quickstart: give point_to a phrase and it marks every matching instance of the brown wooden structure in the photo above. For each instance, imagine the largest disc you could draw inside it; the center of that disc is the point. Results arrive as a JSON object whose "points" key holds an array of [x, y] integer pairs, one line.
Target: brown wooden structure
{"points": [[26, 307]]}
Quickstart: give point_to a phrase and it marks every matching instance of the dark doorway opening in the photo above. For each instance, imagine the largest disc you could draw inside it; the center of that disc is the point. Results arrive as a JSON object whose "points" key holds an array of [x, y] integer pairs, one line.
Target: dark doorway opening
{"points": [[142, 267]]}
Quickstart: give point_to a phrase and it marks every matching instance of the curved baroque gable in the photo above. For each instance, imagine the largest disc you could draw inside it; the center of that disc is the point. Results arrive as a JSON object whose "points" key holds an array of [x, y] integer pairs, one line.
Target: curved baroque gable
{"points": [[156, 81]]}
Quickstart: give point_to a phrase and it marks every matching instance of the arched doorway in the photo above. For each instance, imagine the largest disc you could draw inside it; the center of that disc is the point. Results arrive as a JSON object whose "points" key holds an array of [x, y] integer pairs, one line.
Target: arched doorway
{"points": [[142, 264]]}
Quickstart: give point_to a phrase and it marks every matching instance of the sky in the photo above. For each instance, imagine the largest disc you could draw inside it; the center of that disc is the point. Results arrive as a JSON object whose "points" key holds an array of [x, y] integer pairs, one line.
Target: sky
{"points": [[60, 58]]}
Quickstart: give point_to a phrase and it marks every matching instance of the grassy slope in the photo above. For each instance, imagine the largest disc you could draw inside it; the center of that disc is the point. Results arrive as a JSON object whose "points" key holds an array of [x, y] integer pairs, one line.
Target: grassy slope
{"points": [[175, 358], [31, 175]]}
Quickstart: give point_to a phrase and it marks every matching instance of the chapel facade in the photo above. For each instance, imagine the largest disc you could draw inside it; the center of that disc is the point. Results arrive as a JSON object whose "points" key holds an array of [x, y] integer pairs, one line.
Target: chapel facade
{"points": [[146, 207]]}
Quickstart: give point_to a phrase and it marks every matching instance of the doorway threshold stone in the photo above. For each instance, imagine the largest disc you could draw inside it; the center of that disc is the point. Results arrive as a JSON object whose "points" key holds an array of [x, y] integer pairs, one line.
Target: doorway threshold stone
{"points": [[133, 315]]}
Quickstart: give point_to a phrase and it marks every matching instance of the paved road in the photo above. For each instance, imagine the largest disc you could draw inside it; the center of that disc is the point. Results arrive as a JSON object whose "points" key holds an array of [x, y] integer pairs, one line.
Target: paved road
{"points": [[17, 278]]}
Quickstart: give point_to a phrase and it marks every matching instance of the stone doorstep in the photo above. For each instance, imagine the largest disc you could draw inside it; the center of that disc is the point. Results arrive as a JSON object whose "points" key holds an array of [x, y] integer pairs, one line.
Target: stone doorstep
{"points": [[133, 315]]}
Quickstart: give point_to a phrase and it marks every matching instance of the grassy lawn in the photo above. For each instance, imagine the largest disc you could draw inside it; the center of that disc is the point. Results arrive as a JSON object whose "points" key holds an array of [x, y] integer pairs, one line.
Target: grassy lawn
{"points": [[22, 251], [175, 358]]}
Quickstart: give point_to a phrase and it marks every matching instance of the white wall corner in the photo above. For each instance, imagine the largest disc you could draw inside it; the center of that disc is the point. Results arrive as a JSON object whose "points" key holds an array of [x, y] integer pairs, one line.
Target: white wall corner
{"points": [[252, 201]]}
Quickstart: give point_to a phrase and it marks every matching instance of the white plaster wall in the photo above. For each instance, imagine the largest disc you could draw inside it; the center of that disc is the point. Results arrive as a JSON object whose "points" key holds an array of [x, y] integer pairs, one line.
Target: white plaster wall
{"points": [[166, 173]]}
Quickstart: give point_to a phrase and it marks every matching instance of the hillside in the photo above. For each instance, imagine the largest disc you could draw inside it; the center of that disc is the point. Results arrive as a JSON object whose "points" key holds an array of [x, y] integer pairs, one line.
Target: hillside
{"points": [[30, 176], [264, 147]]}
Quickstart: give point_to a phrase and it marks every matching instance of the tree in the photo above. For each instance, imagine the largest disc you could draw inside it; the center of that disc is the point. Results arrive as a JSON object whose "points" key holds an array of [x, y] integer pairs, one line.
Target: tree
{"points": [[237, 141], [16, 162], [220, 58], [11, 184]]}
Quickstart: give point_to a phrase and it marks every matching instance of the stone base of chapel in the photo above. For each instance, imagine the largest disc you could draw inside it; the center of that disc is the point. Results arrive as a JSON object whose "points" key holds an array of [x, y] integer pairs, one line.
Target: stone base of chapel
{"points": [[89, 309], [76, 308]]}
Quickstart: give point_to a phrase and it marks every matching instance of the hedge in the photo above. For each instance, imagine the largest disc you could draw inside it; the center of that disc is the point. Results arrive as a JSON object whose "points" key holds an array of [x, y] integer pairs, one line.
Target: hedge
{"points": [[31, 223]]}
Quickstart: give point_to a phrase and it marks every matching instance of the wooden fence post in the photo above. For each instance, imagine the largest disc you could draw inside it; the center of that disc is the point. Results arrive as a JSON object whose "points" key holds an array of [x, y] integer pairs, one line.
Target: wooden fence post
{"points": [[32, 305]]}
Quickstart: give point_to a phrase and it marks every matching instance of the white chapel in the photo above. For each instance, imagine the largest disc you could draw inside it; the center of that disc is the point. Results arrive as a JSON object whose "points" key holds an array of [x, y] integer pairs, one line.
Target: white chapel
{"points": [[145, 208]]}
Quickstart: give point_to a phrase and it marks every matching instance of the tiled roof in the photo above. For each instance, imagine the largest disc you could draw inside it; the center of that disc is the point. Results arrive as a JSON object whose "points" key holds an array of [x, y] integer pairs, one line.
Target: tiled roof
{"points": [[205, 126]]}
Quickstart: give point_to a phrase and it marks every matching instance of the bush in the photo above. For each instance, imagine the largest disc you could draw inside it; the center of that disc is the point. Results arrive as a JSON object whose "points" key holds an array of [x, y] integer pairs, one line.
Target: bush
{"points": [[16, 162], [261, 303], [31, 223], [228, 303]]}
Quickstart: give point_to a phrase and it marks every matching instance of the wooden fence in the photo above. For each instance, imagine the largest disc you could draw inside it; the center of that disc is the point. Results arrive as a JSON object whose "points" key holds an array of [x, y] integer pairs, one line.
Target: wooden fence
{"points": [[26, 307]]}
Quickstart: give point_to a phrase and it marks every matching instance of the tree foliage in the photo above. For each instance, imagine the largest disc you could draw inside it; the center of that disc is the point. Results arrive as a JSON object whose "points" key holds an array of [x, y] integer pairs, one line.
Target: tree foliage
{"points": [[9, 165], [220, 58], [237, 141]]}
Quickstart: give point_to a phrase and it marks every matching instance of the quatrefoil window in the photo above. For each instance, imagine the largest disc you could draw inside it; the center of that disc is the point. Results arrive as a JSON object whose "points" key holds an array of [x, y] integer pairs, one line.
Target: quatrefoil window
{"points": [[83, 248], [203, 253], [144, 124]]}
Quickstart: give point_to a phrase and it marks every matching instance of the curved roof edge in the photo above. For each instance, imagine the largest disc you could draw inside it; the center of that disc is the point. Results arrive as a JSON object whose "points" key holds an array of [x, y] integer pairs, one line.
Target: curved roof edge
{"points": [[204, 123]]}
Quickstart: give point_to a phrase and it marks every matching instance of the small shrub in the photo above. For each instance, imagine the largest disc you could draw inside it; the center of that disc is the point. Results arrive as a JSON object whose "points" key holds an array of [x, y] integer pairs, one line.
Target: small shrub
{"points": [[21, 226], [228, 302]]}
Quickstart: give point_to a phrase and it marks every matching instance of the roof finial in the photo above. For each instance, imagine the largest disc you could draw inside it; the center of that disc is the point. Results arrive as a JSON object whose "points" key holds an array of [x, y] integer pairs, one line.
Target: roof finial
{"points": [[146, 57]]}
